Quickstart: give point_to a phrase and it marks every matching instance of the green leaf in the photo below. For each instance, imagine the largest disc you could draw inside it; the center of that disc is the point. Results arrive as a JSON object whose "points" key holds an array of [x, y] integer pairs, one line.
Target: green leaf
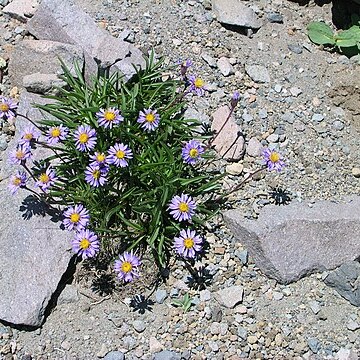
{"points": [[348, 38], [320, 33]]}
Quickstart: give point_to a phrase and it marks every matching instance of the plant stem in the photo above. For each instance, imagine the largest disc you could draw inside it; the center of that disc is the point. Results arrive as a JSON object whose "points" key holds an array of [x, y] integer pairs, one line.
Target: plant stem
{"points": [[237, 187], [28, 119]]}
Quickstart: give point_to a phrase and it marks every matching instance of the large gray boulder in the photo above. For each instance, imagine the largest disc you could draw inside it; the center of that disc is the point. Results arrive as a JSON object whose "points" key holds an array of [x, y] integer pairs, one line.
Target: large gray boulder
{"points": [[64, 21], [235, 12], [292, 241], [34, 251]]}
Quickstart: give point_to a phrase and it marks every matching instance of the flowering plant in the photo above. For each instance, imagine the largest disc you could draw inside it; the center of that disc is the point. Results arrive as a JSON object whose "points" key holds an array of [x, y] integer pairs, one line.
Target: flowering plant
{"points": [[124, 167]]}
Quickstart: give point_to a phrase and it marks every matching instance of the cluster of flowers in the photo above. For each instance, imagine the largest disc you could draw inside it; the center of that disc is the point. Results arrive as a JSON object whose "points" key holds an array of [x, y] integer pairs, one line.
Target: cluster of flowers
{"points": [[77, 218]]}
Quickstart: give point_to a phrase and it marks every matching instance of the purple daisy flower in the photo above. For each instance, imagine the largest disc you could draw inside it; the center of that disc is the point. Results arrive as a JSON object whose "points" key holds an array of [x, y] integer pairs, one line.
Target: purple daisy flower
{"points": [[118, 155], [197, 85], [127, 267], [56, 134], [109, 117], [85, 138], [85, 244], [235, 99], [29, 135], [273, 160], [7, 107], [184, 65], [192, 151], [188, 243], [149, 119], [76, 217], [98, 159], [46, 179], [182, 207], [17, 181], [96, 175], [20, 155]]}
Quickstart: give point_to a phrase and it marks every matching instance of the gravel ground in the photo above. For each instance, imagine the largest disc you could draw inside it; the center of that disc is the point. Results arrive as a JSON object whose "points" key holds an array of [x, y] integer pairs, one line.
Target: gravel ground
{"points": [[295, 112]]}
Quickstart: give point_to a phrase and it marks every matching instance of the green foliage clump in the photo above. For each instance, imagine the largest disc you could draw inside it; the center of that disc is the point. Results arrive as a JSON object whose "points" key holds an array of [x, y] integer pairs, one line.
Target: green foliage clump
{"points": [[345, 41]]}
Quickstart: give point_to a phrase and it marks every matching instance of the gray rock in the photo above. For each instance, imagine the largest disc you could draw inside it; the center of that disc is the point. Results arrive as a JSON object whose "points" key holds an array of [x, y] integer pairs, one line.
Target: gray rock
{"points": [[315, 307], [346, 354], [290, 242], [234, 12], [229, 144], [254, 147], [258, 73], [295, 48], [295, 91], [41, 56], [289, 117], [21, 9], [230, 297], [314, 345], [317, 117], [242, 333], [338, 125], [30, 269], [352, 325], [139, 326], [344, 280], [167, 355], [68, 295], [114, 355], [205, 295], [160, 295], [209, 59], [216, 313], [275, 18], [243, 256], [224, 66], [65, 21], [3, 142], [42, 83]]}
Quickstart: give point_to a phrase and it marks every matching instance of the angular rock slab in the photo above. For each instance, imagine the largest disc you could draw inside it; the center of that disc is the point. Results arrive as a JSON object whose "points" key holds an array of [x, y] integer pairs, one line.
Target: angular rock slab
{"points": [[346, 281], [21, 9], [234, 12], [64, 21], [34, 251], [290, 242], [42, 56], [229, 142]]}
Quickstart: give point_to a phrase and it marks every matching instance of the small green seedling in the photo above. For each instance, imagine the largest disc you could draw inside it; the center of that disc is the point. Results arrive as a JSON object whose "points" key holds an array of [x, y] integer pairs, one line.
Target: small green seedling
{"points": [[185, 303]]}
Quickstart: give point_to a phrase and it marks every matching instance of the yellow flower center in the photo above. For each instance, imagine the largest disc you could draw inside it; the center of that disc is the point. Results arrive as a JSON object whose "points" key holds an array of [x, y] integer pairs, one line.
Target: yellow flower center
{"points": [[189, 243], [120, 154], [44, 178], [17, 182], [183, 207], [96, 174], [28, 136], [83, 138], [199, 83], [150, 118], [4, 107], [274, 157], [19, 154], [84, 244], [56, 132], [109, 116], [126, 267], [74, 218], [193, 153], [100, 157]]}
